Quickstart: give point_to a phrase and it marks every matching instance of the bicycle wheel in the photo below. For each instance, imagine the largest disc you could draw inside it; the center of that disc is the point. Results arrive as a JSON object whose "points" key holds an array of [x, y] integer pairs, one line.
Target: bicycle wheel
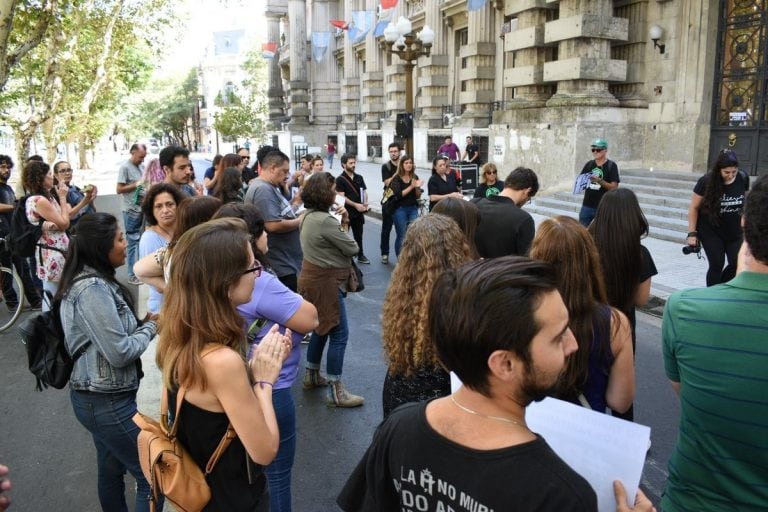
{"points": [[13, 298]]}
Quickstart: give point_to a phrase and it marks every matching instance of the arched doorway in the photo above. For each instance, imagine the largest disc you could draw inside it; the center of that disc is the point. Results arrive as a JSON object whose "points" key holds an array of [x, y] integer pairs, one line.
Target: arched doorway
{"points": [[740, 94]]}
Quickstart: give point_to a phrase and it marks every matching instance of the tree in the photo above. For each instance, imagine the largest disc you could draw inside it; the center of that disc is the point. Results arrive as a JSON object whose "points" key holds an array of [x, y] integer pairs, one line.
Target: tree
{"points": [[22, 27]]}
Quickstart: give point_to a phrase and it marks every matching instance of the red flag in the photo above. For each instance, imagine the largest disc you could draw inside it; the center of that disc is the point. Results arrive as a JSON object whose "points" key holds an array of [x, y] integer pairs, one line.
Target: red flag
{"points": [[388, 4], [343, 25], [268, 50]]}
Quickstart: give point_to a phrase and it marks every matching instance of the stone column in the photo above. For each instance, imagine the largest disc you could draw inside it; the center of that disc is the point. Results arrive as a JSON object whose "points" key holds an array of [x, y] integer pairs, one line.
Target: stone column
{"points": [[350, 82], [526, 44], [432, 82], [275, 92], [299, 84], [372, 82], [584, 67], [479, 71], [632, 93], [325, 76]]}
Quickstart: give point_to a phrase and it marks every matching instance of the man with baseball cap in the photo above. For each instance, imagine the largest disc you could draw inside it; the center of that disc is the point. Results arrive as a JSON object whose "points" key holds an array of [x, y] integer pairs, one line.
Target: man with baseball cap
{"points": [[604, 176]]}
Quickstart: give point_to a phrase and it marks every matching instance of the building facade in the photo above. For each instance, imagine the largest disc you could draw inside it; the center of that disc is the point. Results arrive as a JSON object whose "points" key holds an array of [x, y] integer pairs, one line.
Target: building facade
{"points": [[667, 82]]}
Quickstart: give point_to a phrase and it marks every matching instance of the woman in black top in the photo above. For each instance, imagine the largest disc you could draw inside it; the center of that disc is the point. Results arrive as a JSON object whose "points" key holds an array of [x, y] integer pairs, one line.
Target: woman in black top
{"points": [[714, 216], [442, 183], [406, 188], [490, 184]]}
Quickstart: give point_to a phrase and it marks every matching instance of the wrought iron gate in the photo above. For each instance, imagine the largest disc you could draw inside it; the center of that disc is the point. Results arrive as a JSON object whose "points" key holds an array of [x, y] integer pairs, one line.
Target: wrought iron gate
{"points": [[740, 95]]}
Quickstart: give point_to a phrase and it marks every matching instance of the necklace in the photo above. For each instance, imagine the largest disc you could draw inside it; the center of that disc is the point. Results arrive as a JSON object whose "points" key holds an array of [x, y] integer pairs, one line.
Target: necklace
{"points": [[497, 418]]}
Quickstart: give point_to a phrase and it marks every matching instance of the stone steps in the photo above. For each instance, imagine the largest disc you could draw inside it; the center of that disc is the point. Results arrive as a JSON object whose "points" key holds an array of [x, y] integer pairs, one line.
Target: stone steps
{"points": [[664, 197]]}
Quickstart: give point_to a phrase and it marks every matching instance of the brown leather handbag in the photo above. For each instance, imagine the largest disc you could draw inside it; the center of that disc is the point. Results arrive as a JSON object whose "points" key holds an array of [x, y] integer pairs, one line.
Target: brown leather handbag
{"points": [[167, 465]]}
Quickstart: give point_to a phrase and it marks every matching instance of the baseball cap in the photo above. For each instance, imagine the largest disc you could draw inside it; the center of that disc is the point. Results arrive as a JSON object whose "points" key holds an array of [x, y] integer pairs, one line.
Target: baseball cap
{"points": [[600, 144]]}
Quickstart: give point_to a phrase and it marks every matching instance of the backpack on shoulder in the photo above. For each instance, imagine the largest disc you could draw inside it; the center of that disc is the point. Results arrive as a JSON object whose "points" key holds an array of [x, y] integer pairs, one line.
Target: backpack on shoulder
{"points": [[47, 355], [168, 466], [23, 238]]}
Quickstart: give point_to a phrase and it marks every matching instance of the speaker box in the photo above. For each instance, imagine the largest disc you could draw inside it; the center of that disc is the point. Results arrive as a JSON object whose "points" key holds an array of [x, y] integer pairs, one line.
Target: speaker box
{"points": [[404, 125]]}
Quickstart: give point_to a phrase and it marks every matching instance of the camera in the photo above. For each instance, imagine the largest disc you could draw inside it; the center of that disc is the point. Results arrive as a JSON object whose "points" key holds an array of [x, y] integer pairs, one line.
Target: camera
{"points": [[692, 249]]}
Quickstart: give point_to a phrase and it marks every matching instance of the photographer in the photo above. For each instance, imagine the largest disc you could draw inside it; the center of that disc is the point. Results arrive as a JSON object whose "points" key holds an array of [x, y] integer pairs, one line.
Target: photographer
{"points": [[714, 216]]}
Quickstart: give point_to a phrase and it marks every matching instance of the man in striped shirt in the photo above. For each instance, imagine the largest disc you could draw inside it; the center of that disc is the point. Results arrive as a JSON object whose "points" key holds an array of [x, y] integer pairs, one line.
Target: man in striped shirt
{"points": [[715, 343]]}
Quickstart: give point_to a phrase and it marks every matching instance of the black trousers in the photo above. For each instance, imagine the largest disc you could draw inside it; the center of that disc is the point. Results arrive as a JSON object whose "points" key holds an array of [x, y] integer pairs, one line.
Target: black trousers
{"points": [[356, 225], [718, 248], [387, 222], [30, 289]]}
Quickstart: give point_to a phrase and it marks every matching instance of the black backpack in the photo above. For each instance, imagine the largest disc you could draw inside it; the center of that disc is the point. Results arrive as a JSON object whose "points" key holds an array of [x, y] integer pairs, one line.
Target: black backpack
{"points": [[24, 237], [47, 354]]}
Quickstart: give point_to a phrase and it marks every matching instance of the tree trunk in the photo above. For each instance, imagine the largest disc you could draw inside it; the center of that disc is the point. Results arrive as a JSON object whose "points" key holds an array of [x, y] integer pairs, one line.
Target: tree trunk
{"points": [[83, 153]]}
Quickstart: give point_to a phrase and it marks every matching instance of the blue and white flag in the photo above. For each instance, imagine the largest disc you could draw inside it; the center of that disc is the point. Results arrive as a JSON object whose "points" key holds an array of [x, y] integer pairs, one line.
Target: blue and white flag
{"points": [[320, 42], [476, 5], [362, 23], [380, 27]]}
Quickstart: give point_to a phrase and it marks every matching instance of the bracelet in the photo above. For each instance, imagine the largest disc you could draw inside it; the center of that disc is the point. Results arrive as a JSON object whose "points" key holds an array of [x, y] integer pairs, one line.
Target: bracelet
{"points": [[262, 382], [693, 233]]}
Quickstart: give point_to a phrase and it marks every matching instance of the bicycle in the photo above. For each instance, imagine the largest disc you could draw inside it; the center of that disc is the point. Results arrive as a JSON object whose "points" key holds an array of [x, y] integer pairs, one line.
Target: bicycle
{"points": [[10, 311]]}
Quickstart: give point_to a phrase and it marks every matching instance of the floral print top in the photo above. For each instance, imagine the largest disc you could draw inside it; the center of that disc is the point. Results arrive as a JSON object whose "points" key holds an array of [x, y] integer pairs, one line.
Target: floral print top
{"points": [[52, 263]]}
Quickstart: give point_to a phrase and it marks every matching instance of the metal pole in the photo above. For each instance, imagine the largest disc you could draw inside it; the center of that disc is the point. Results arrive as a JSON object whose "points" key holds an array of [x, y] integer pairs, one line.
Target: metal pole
{"points": [[409, 65]]}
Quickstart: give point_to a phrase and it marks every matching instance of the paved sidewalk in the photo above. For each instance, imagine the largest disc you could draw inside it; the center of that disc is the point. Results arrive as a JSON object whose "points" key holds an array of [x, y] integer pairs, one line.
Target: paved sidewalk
{"points": [[676, 270]]}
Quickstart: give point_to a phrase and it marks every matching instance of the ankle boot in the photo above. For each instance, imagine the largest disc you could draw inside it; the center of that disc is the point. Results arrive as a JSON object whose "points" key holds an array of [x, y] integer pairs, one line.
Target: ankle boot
{"points": [[338, 396], [313, 379]]}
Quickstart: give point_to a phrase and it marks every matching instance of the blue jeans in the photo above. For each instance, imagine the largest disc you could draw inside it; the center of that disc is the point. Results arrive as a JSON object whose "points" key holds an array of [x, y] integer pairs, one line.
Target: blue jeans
{"points": [[586, 214], [386, 230], [279, 471], [338, 345], [109, 419], [403, 217], [132, 224]]}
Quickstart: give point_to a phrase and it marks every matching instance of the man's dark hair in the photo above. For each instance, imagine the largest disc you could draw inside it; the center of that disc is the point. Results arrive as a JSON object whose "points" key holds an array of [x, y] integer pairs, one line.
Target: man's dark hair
{"points": [[459, 325], [756, 220], [347, 156], [5, 159], [148, 204], [135, 147], [35, 158], [393, 145], [273, 157], [521, 179], [263, 151], [169, 154], [318, 191]]}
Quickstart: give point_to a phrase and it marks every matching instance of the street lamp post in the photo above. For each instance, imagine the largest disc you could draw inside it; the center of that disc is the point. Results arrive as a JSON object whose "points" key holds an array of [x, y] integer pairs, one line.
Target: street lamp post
{"points": [[401, 41]]}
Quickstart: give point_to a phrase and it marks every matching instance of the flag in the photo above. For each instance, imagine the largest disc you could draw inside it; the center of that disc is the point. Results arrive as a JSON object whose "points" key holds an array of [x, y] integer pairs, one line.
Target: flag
{"points": [[475, 5], [320, 42], [343, 25], [380, 26], [268, 50], [384, 14], [388, 4], [362, 23]]}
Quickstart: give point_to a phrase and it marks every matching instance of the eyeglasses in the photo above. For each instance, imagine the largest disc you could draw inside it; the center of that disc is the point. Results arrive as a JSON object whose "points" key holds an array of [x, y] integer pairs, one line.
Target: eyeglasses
{"points": [[491, 172], [5, 166], [246, 158], [256, 269], [66, 169], [598, 150]]}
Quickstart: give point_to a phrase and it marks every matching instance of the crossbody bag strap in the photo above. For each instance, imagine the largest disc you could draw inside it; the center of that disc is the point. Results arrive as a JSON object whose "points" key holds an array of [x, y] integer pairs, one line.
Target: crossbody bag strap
{"points": [[354, 187]]}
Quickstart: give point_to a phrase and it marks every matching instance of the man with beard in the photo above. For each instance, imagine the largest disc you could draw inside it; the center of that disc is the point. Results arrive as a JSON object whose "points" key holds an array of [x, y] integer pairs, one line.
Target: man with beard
{"points": [[429, 456]]}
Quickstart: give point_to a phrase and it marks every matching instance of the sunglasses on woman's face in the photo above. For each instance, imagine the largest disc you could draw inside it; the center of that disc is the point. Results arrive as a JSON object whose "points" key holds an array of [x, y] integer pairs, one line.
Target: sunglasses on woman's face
{"points": [[491, 172]]}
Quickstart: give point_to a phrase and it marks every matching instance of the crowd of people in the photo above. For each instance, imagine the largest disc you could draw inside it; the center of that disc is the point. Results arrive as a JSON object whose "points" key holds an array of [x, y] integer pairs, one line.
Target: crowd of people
{"points": [[241, 276]]}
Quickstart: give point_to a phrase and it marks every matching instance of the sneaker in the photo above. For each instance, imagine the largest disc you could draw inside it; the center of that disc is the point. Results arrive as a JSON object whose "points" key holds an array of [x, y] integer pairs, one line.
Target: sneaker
{"points": [[12, 307], [362, 259], [313, 379], [385, 258], [338, 396], [134, 280]]}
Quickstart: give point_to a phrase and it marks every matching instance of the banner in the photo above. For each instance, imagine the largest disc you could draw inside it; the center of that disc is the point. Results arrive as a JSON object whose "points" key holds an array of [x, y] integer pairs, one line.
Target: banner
{"points": [[320, 42], [268, 50], [476, 5], [362, 23], [388, 4], [380, 27], [343, 25]]}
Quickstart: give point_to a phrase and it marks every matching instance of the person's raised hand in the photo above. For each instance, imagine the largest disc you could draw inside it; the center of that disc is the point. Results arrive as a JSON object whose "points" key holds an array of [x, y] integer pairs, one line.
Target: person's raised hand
{"points": [[642, 503], [5, 485], [269, 354]]}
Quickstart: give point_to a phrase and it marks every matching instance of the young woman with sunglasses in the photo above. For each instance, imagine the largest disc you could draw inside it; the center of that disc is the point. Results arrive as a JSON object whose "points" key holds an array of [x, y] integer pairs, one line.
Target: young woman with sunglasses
{"points": [[490, 184]]}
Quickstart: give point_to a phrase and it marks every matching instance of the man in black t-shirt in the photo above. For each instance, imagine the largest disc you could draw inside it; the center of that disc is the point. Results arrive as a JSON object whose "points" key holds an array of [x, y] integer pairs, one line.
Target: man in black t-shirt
{"points": [[388, 171], [603, 176], [429, 456], [352, 187], [7, 204], [472, 152]]}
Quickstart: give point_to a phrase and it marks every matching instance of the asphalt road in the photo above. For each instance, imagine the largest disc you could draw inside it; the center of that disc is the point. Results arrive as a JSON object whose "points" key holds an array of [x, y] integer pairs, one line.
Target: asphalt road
{"points": [[52, 458]]}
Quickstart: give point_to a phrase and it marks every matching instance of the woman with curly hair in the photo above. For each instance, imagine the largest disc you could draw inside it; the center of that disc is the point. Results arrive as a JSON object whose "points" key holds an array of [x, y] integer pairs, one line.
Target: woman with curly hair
{"points": [[466, 215], [229, 188], [714, 215], [433, 244], [600, 374], [490, 184]]}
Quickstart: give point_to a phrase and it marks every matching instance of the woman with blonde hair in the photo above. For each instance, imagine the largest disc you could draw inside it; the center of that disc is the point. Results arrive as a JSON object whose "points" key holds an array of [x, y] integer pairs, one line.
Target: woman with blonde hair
{"points": [[490, 184], [434, 243], [601, 373], [200, 353]]}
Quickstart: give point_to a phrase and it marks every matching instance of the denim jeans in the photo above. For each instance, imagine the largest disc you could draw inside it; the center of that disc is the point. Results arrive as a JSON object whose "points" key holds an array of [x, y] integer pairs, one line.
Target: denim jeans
{"points": [[132, 222], [403, 217], [338, 345], [386, 231], [279, 471], [109, 419], [49, 292], [586, 214]]}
